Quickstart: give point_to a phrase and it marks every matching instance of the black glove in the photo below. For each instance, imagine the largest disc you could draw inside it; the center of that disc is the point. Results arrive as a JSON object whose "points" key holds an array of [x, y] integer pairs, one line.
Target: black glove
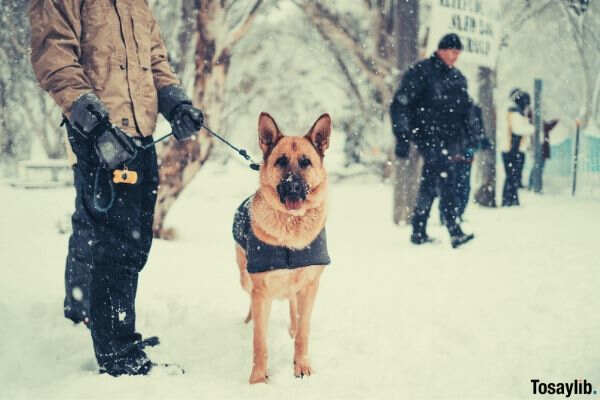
{"points": [[186, 120], [469, 154], [485, 144], [177, 108], [89, 116]]}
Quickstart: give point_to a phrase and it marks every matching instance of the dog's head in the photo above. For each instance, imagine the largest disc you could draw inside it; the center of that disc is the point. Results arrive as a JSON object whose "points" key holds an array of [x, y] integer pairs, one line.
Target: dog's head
{"points": [[292, 175]]}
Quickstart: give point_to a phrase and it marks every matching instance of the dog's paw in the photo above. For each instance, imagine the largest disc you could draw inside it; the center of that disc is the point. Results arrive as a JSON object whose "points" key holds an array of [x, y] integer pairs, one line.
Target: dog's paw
{"points": [[258, 375], [302, 368]]}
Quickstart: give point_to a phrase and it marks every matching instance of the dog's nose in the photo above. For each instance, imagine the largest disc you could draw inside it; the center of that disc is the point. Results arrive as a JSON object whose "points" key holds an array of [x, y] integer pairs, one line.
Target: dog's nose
{"points": [[295, 187], [292, 185]]}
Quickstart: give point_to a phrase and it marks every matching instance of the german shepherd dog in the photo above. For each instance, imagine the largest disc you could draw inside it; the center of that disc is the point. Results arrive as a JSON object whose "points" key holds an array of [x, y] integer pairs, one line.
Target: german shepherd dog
{"points": [[281, 247]]}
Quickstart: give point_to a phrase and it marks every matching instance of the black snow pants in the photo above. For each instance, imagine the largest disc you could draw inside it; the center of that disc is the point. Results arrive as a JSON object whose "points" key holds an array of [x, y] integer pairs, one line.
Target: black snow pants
{"points": [[513, 167], [463, 189], [439, 172], [463, 186], [107, 250]]}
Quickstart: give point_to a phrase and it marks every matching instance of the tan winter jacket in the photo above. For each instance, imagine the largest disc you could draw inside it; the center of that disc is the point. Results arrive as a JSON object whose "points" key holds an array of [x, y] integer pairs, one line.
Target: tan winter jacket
{"points": [[110, 47]]}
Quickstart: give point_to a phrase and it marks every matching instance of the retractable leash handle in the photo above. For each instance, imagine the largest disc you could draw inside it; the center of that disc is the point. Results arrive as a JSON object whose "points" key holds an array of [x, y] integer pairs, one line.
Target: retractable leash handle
{"points": [[131, 176], [242, 152]]}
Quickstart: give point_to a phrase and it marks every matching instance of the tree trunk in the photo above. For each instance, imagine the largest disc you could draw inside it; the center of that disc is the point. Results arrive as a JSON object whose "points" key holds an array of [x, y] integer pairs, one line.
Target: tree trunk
{"points": [[49, 132], [596, 100], [181, 161], [406, 185], [408, 171], [6, 136], [486, 159]]}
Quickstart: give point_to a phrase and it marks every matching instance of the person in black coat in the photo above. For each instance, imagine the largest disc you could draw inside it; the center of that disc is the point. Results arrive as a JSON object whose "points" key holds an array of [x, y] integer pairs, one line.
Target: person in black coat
{"points": [[519, 127], [431, 109]]}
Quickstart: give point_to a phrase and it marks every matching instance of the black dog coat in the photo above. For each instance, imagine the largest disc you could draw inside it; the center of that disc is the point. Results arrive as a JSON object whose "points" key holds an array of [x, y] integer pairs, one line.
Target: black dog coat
{"points": [[263, 257]]}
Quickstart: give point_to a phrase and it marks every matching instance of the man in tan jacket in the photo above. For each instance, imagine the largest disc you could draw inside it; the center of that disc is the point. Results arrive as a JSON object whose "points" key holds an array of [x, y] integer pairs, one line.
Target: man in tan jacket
{"points": [[105, 65]]}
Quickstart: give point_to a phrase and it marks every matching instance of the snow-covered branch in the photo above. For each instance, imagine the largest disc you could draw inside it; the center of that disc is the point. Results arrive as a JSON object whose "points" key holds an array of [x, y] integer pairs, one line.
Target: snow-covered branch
{"points": [[240, 31], [332, 29], [527, 13]]}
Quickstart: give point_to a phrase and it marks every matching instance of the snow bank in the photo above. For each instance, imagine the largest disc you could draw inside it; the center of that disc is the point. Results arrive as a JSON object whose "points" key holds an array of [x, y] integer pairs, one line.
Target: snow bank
{"points": [[391, 320]]}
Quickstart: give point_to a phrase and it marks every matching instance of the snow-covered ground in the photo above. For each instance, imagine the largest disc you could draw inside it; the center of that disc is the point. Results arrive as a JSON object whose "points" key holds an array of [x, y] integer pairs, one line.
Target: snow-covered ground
{"points": [[391, 321]]}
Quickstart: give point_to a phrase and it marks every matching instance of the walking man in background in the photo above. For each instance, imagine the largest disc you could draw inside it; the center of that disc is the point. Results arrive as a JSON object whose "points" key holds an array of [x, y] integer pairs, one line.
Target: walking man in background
{"points": [[431, 109], [106, 66]]}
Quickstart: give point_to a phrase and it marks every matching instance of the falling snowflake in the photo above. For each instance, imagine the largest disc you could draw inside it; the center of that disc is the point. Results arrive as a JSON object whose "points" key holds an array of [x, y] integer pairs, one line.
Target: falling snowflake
{"points": [[77, 293]]}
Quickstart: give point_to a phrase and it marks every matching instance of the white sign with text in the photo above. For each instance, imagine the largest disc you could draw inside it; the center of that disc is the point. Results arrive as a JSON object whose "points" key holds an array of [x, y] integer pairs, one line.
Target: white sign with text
{"points": [[477, 24]]}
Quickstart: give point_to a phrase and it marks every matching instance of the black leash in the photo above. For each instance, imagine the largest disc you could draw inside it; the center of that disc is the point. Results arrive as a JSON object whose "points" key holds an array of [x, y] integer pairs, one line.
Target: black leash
{"points": [[242, 152], [103, 209]]}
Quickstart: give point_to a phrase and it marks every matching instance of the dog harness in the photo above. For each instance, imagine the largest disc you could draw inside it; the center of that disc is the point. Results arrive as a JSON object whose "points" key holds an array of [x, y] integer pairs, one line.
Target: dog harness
{"points": [[262, 257]]}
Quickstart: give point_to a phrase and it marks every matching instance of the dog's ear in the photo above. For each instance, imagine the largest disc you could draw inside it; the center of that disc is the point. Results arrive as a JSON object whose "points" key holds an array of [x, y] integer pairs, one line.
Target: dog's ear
{"points": [[268, 133], [319, 133]]}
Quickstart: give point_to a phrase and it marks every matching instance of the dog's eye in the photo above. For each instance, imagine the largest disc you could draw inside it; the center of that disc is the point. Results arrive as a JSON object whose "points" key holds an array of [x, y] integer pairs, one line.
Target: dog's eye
{"points": [[304, 162], [282, 162]]}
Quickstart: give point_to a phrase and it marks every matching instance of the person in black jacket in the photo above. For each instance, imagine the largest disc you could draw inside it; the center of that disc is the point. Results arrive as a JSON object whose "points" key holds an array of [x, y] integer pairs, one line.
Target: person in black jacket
{"points": [[105, 65], [431, 109], [519, 126]]}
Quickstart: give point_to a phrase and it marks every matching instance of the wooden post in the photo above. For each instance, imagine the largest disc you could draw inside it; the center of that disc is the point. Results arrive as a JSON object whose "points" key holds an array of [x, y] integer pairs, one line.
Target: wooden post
{"points": [[407, 171], [535, 179], [575, 157], [486, 159]]}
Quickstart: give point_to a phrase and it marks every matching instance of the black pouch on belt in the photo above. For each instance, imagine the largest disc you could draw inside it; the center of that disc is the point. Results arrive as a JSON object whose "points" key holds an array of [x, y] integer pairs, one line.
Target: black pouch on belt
{"points": [[115, 148]]}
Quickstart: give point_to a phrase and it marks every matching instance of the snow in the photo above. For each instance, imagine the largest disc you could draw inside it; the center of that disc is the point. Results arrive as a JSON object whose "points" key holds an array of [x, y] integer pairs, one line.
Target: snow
{"points": [[592, 130], [391, 320]]}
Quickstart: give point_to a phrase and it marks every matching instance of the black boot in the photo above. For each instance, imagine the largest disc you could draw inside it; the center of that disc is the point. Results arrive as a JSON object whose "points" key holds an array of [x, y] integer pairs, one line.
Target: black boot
{"points": [[419, 236], [458, 237], [130, 359], [135, 363]]}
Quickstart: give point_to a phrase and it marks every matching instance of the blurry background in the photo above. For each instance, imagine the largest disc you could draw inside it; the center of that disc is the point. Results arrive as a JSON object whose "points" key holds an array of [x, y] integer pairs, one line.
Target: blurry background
{"points": [[299, 58]]}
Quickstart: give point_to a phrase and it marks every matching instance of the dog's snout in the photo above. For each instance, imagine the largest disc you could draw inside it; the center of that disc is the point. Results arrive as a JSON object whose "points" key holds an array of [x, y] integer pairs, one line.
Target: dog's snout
{"points": [[295, 187], [292, 185]]}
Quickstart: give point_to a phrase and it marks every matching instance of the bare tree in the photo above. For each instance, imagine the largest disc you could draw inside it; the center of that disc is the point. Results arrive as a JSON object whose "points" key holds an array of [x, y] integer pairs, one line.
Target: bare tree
{"points": [[25, 111], [220, 25], [587, 42], [408, 171], [13, 53], [368, 51], [379, 52]]}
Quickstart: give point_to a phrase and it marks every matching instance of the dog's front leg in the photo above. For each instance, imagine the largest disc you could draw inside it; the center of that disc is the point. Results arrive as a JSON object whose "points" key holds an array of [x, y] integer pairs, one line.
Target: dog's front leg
{"points": [[306, 301], [261, 308], [293, 316]]}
